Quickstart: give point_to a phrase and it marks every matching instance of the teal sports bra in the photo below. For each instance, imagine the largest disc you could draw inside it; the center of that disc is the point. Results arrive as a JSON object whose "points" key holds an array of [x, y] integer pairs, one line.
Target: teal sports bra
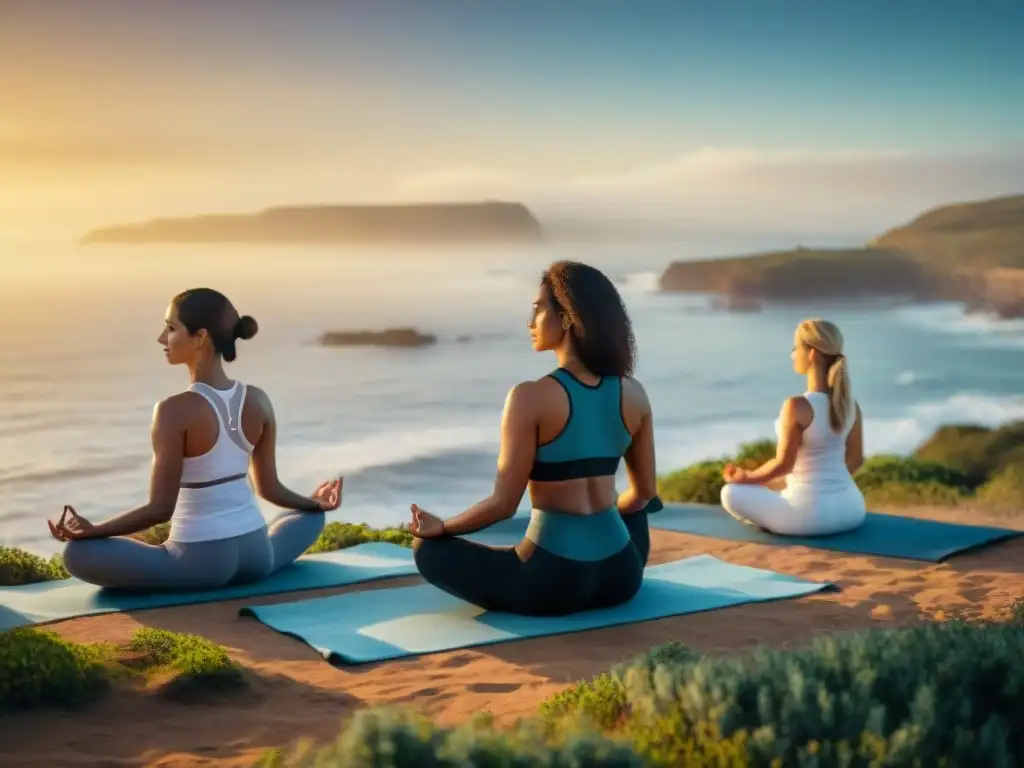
{"points": [[595, 436]]}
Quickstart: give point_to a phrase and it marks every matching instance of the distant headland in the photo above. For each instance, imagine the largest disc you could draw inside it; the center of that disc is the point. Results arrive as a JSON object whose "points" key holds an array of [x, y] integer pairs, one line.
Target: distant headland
{"points": [[427, 222], [969, 252]]}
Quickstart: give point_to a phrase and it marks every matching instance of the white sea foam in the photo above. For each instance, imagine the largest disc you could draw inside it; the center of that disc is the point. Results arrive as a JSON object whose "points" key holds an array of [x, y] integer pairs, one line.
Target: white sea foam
{"points": [[313, 460], [902, 434], [640, 282], [976, 329], [906, 378]]}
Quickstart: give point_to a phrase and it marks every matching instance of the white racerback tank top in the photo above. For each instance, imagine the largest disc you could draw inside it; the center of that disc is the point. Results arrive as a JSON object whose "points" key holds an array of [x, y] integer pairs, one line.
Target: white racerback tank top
{"points": [[216, 500], [820, 466]]}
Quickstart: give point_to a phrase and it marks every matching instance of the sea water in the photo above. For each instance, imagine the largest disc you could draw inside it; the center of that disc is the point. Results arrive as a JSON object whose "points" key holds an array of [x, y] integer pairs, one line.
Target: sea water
{"points": [[81, 368]]}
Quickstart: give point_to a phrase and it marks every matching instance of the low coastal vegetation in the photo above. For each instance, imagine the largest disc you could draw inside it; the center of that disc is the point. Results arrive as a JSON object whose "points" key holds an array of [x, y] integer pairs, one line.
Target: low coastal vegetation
{"points": [[40, 668], [20, 567], [344, 535], [335, 535], [958, 464], [949, 693]]}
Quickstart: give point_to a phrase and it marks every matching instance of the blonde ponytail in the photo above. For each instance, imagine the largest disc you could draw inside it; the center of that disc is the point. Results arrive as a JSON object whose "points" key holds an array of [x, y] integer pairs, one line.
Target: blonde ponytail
{"points": [[825, 337], [840, 397]]}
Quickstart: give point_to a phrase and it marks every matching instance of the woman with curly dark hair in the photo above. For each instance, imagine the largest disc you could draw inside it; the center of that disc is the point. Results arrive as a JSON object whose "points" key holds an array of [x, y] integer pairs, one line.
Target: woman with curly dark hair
{"points": [[562, 437]]}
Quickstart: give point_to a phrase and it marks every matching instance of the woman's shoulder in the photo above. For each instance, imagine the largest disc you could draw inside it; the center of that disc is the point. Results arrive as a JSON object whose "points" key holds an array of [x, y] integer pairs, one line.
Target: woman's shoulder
{"points": [[257, 396], [797, 408], [634, 393], [177, 408], [533, 391], [632, 385]]}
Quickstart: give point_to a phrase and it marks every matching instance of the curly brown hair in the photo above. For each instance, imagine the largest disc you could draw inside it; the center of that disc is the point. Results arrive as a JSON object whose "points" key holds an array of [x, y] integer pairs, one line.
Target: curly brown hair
{"points": [[599, 324]]}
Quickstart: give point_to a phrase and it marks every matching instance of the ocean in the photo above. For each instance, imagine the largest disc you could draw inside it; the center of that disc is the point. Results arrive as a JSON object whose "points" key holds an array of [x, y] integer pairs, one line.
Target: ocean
{"points": [[82, 369]]}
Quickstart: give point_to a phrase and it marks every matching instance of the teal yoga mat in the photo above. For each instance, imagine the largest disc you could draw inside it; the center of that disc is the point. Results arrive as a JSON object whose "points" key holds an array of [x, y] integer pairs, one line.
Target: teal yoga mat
{"points": [[884, 535], [55, 600], [393, 623]]}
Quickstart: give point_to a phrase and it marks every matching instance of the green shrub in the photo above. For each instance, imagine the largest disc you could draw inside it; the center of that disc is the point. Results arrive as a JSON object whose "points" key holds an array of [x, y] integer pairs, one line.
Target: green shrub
{"points": [[402, 739], [602, 701], [702, 483], [20, 567], [753, 455], [975, 451], [926, 494], [199, 666], [343, 535], [884, 469], [948, 694], [699, 483], [40, 668], [1016, 612], [156, 535], [930, 695], [1004, 493]]}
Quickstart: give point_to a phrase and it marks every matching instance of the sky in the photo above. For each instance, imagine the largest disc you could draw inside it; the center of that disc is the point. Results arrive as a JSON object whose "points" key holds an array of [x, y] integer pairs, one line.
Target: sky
{"points": [[836, 116]]}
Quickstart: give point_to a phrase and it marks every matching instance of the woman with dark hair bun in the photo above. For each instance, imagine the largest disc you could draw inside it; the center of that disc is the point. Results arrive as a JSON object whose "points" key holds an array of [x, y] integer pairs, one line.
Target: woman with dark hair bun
{"points": [[204, 441], [562, 437]]}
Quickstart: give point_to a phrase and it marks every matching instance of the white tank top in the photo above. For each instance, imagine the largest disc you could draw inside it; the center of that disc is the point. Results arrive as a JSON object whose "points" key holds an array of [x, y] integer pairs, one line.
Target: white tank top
{"points": [[821, 461], [216, 500]]}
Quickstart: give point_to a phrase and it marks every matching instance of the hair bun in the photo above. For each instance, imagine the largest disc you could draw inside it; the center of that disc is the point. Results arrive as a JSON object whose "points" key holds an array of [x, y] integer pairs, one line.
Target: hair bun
{"points": [[246, 327]]}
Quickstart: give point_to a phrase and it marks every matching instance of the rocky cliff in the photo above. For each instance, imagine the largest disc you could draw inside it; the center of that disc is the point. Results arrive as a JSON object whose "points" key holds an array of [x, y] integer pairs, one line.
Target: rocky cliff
{"points": [[442, 222], [793, 275]]}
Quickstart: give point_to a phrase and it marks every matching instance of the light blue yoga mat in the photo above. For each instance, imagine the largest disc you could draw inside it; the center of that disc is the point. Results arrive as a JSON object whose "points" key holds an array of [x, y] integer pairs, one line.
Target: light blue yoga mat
{"points": [[393, 623], [885, 535], [55, 600]]}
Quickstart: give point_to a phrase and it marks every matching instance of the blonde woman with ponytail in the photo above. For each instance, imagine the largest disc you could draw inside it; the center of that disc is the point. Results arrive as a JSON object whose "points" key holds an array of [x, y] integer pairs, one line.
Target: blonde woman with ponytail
{"points": [[819, 448]]}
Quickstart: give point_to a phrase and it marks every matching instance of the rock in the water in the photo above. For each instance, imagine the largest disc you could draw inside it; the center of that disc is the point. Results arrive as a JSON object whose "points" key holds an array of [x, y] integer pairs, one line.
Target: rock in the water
{"points": [[389, 337]]}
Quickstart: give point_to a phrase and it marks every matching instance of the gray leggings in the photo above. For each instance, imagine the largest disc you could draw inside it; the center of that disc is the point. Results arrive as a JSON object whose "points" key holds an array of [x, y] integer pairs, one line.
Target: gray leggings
{"points": [[121, 562]]}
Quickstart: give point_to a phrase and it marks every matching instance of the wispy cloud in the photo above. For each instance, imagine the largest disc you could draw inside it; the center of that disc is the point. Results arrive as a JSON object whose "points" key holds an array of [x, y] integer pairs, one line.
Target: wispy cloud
{"points": [[792, 189]]}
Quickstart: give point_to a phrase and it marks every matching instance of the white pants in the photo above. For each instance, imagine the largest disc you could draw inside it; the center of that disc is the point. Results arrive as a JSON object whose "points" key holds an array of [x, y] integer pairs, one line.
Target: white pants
{"points": [[796, 511]]}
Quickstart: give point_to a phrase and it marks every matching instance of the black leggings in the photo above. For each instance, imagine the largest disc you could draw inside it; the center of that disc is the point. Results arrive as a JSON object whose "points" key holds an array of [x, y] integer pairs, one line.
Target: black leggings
{"points": [[496, 579]]}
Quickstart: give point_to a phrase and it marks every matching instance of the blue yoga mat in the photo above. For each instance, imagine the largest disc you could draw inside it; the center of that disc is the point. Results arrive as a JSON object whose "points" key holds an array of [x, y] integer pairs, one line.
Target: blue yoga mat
{"points": [[885, 535], [55, 600], [393, 623]]}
